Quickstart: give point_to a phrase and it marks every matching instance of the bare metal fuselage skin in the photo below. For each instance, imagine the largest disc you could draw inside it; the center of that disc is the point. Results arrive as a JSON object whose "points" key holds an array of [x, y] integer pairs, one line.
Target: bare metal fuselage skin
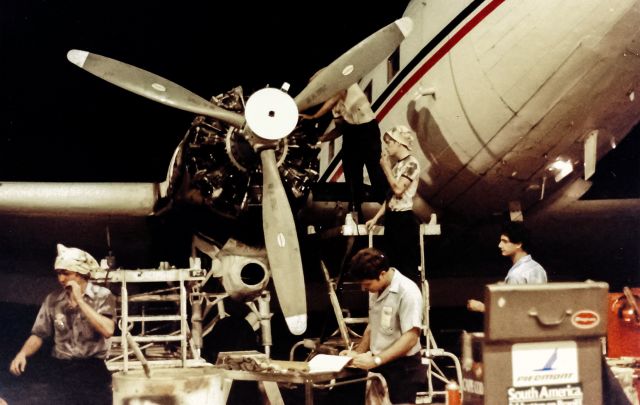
{"points": [[496, 91]]}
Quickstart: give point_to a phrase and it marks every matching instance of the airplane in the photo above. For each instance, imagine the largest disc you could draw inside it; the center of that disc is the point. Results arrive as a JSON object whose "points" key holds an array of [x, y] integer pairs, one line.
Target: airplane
{"points": [[512, 103], [254, 136]]}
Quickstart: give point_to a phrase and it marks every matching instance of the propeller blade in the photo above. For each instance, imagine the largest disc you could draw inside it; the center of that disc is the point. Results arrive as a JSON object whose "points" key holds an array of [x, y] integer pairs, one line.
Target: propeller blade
{"points": [[151, 86], [354, 64], [282, 246]]}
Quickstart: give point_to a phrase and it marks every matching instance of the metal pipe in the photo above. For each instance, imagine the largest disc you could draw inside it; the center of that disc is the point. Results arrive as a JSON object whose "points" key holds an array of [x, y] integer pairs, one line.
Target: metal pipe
{"points": [[344, 333], [265, 321], [139, 355]]}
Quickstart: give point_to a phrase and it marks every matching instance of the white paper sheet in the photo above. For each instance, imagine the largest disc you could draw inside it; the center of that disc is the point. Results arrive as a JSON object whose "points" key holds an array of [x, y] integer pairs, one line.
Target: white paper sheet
{"points": [[326, 363]]}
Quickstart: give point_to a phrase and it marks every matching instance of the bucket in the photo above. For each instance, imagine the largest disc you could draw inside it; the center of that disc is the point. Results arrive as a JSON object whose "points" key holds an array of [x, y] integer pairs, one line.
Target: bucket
{"points": [[169, 386]]}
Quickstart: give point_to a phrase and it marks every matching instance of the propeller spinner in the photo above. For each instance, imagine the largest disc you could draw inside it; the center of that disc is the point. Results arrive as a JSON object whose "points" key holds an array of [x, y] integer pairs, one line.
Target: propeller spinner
{"points": [[270, 114]]}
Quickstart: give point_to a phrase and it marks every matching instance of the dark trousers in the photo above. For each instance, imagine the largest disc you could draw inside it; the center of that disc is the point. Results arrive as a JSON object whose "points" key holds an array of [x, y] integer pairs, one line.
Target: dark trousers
{"points": [[405, 377], [82, 381], [402, 243], [361, 147]]}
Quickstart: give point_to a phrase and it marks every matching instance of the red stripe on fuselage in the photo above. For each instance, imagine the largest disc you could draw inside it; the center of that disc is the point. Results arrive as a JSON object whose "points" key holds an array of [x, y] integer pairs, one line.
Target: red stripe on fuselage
{"points": [[426, 66], [439, 54], [336, 174]]}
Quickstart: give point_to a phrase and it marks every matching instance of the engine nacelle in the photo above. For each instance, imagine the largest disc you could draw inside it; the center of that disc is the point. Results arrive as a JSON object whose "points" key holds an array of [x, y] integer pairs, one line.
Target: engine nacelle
{"points": [[242, 269], [243, 278]]}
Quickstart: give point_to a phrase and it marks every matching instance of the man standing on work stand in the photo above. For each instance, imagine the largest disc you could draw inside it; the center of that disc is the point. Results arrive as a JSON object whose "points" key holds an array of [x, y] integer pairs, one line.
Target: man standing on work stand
{"points": [[401, 227]]}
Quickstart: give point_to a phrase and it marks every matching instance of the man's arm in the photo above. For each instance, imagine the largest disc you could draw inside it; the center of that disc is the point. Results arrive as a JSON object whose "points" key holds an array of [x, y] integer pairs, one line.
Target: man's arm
{"points": [[19, 362], [475, 306], [399, 186], [370, 223], [363, 345], [398, 349], [325, 108], [365, 341], [104, 325]]}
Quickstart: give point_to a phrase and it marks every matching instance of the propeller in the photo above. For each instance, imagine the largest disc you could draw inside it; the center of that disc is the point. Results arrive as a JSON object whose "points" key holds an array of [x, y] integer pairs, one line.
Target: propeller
{"points": [[270, 115], [354, 64], [151, 86]]}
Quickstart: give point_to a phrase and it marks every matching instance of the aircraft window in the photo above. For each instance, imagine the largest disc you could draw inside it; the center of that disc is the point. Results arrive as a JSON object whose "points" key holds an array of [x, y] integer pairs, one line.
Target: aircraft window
{"points": [[393, 64]]}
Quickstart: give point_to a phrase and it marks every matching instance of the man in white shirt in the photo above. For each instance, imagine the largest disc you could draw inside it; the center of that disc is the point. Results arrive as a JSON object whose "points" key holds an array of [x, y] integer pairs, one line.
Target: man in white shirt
{"points": [[514, 241], [361, 147], [401, 226], [390, 344]]}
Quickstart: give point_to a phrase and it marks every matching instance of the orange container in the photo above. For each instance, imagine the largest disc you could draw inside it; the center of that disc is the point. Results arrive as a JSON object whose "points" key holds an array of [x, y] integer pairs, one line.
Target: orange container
{"points": [[623, 328]]}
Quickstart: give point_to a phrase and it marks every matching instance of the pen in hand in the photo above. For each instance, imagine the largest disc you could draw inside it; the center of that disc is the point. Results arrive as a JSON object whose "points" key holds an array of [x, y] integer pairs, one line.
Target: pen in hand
{"points": [[348, 351]]}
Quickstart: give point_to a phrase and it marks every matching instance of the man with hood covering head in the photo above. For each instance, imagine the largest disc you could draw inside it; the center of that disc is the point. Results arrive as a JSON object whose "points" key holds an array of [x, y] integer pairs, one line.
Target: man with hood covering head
{"points": [[80, 319]]}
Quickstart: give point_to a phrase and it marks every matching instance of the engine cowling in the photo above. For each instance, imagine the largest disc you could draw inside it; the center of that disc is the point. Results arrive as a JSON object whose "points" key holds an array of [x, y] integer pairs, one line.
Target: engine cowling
{"points": [[243, 278]]}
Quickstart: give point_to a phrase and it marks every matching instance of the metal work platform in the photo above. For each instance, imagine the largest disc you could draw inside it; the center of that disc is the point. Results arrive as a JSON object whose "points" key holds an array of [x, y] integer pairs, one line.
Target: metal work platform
{"points": [[432, 355], [169, 308]]}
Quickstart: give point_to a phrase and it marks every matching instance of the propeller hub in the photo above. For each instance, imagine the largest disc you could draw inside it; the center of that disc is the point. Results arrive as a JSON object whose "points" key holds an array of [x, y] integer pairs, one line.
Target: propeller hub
{"points": [[271, 113]]}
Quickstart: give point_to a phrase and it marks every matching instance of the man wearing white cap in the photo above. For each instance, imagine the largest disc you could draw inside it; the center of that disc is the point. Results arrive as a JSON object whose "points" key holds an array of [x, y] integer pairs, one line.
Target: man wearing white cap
{"points": [[80, 319], [401, 227]]}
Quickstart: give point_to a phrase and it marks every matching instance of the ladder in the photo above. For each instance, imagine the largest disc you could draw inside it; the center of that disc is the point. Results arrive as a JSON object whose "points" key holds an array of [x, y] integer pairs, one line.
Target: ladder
{"points": [[128, 342], [432, 355], [431, 351]]}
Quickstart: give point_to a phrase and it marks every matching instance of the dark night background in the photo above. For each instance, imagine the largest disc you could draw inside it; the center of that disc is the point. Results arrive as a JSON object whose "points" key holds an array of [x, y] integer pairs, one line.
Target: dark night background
{"points": [[60, 123]]}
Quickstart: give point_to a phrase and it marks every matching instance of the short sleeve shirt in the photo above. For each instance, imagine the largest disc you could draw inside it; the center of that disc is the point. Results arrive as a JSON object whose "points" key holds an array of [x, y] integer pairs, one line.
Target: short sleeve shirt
{"points": [[408, 168], [526, 271], [73, 335], [393, 312]]}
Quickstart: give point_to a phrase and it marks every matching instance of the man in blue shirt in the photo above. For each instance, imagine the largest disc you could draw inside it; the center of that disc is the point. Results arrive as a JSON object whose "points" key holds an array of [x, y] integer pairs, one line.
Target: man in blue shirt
{"points": [[514, 242], [390, 344]]}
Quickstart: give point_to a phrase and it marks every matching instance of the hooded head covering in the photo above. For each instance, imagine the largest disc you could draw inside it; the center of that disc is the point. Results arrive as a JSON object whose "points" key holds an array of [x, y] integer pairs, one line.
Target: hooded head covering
{"points": [[74, 259], [402, 135]]}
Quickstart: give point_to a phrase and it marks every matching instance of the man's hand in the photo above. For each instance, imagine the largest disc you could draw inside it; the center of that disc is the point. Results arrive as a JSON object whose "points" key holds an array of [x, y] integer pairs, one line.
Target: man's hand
{"points": [[350, 353], [307, 117], [74, 292], [363, 361], [18, 364], [370, 223], [475, 306], [385, 162]]}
